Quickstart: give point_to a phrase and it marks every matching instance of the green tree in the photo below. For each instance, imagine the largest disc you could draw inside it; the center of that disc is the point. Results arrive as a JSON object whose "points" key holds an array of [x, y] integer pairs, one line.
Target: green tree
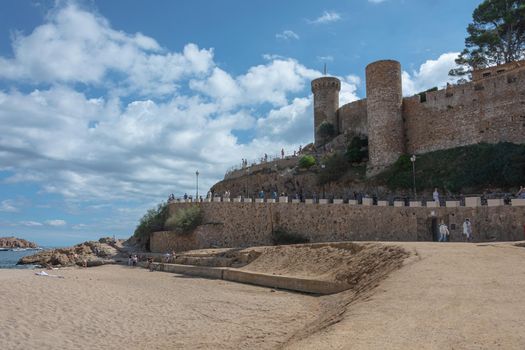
{"points": [[496, 36], [152, 221]]}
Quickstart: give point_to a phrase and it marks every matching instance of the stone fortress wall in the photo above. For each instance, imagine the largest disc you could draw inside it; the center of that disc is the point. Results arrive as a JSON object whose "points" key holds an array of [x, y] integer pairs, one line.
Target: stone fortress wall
{"points": [[490, 108], [243, 224]]}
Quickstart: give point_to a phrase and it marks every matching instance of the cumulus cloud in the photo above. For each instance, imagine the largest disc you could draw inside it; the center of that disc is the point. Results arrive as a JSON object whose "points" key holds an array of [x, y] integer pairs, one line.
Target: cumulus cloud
{"points": [[287, 35], [56, 223], [431, 73], [122, 143], [327, 17], [77, 46]]}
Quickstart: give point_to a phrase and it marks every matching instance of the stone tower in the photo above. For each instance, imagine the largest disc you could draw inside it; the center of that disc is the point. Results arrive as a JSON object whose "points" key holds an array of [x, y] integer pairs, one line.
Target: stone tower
{"points": [[384, 113], [326, 103]]}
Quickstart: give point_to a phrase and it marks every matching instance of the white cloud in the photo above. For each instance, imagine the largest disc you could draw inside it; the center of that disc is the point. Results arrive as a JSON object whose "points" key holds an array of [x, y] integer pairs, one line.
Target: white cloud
{"points": [[56, 223], [8, 206], [376, 1], [327, 17], [431, 73], [325, 58], [79, 46], [133, 148], [287, 35], [31, 223]]}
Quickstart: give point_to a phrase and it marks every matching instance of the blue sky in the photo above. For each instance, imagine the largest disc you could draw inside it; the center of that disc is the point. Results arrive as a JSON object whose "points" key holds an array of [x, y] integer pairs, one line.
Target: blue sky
{"points": [[106, 107]]}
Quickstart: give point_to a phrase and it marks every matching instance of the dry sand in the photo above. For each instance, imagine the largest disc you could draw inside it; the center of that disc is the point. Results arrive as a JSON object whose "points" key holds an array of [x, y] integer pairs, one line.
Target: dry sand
{"points": [[116, 307], [447, 296]]}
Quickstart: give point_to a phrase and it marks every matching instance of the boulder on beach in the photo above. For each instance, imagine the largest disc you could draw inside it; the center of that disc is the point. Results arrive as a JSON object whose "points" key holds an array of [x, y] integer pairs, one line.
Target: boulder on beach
{"points": [[95, 253]]}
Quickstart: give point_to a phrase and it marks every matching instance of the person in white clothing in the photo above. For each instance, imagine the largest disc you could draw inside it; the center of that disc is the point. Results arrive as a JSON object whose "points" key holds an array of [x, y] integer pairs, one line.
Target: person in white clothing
{"points": [[467, 230], [435, 195], [443, 232]]}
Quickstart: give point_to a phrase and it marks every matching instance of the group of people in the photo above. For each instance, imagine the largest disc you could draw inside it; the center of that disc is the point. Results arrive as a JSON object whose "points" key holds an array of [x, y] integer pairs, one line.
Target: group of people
{"points": [[264, 158], [444, 232]]}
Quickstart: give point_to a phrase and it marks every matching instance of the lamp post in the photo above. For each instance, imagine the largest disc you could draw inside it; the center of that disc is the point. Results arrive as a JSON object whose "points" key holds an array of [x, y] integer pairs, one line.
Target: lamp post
{"points": [[197, 186], [323, 166], [413, 160]]}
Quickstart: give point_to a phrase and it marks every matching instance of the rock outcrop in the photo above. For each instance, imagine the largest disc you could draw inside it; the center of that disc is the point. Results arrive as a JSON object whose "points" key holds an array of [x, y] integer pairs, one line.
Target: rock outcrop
{"points": [[13, 242], [93, 253]]}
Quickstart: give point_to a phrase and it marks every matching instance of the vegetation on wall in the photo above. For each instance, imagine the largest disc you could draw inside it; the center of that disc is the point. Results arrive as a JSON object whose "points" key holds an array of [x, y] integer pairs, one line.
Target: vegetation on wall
{"points": [[152, 221], [185, 220], [306, 161], [281, 237], [460, 169], [496, 36]]}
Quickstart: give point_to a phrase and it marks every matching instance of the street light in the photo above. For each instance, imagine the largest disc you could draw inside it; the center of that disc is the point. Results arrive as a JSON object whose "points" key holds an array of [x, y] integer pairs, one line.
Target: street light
{"points": [[413, 160], [197, 187], [323, 166]]}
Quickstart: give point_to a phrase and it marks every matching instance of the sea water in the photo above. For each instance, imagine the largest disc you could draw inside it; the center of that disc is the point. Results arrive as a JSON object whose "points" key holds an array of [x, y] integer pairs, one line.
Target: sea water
{"points": [[9, 258]]}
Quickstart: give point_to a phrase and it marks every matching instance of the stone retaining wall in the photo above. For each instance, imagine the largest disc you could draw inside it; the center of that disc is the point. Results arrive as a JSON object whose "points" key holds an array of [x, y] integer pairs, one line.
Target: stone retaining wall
{"points": [[233, 224]]}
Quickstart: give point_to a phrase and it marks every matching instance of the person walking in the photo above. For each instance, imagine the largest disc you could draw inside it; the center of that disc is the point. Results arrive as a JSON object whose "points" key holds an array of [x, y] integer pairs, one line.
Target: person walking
{"points": [[521, 193], [282, 153], [435, 195], [444, 233], [467, 230]]}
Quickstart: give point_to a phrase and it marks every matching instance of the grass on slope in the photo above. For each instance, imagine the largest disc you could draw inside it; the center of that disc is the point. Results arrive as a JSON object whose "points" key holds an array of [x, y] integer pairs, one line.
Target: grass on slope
{"points": [[459, 169]]}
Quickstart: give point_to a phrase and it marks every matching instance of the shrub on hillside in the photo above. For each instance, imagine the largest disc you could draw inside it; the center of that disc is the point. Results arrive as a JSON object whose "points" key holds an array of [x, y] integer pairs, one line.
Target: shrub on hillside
{"points": [[326, 130], [306, 161], [281, 237], [152, 221], [185, 220], [335, 167], [355, 152]]}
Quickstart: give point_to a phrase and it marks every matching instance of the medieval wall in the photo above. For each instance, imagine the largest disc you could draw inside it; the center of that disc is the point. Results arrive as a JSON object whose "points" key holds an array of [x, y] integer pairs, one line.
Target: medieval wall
{"points": [[352, 116], [490, 110], [251, 224]]}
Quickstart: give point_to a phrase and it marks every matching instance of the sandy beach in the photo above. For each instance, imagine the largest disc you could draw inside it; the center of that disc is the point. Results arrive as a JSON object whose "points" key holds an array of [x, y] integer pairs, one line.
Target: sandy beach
{"points": [[116, 307], [446, 296]]}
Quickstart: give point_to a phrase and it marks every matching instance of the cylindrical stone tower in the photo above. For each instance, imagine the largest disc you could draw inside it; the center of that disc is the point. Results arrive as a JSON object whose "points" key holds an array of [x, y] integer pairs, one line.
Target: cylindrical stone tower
{"points": [[326, 103], [384, 99]]}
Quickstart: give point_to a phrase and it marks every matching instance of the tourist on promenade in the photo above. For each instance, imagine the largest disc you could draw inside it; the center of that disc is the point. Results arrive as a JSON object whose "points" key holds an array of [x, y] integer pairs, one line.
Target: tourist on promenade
{"points": [[467, 230], [435, 195], [521, 193], [444, 233], [134, 260], [261, 194], [185, 196], [282, 153]]}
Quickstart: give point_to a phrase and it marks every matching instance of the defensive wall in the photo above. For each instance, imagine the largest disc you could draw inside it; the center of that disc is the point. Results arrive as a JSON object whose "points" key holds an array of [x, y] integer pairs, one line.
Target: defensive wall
{"points": [[490, 108], [243, 224]]}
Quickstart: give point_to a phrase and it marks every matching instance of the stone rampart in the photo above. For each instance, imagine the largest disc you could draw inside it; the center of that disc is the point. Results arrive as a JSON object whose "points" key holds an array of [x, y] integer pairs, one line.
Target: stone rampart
{"points": [[229, 224], [352, 117], [491, 110]]}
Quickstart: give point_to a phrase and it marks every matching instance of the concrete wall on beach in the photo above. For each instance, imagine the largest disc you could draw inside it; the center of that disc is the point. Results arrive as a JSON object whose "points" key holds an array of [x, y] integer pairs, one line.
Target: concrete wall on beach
{"points": [[229, 224]]}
